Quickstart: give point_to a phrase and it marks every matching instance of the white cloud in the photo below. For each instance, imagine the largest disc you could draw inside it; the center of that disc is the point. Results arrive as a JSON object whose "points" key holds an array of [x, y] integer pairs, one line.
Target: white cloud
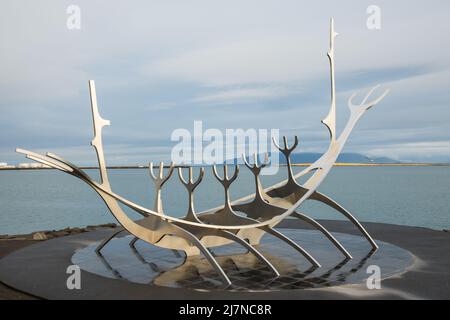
{"points": [[264, 59], [243, 94], [428, 149]]}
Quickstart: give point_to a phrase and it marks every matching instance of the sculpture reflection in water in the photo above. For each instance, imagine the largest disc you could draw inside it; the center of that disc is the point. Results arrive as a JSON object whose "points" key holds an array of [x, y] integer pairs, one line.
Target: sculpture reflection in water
{"points": [[243, 221], [152, 265]]}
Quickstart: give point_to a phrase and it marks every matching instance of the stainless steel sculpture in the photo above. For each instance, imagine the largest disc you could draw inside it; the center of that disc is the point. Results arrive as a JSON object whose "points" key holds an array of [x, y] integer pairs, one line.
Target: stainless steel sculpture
{"points": [[198, 232]]}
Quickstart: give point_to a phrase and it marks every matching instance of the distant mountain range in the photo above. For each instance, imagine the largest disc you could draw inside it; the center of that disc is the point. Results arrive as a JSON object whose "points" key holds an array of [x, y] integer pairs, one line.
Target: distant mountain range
{"points": [[310, 157]]}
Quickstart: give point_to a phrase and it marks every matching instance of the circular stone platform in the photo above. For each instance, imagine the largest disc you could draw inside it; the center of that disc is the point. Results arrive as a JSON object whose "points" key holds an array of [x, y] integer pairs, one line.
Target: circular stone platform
{"points": [[147, 264], [150, 272]]}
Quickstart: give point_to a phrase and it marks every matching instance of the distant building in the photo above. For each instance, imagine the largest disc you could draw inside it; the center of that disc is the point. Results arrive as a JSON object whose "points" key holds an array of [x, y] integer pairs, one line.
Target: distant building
{"points": [[31, 166], [23, 165], [3, 164]]}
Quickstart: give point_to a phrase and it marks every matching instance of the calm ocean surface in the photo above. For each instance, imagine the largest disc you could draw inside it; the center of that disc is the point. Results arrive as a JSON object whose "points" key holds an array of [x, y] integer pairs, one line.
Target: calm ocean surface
{"points": [[48, 199]]}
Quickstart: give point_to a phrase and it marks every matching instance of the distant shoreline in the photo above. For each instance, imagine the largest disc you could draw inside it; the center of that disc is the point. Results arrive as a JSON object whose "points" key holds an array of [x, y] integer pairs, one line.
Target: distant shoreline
{"points": [[338, 164]]}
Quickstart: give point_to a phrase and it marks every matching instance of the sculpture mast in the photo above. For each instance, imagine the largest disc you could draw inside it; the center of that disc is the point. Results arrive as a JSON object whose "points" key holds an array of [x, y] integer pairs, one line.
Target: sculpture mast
{"points": [[330, 119]]}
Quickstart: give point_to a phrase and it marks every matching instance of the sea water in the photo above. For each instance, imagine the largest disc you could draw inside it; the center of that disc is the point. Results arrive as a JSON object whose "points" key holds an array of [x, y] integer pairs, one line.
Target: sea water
{"points": [[32, 200]]}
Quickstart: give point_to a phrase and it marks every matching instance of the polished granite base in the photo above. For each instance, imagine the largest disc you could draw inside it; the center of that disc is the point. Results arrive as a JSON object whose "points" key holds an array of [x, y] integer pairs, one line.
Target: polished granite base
{"points": [[147, 264], [414, 263]]}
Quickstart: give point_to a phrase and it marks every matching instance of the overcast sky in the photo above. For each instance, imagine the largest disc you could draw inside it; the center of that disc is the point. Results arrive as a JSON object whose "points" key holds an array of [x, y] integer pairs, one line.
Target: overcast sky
{"points": [[160, 65]]}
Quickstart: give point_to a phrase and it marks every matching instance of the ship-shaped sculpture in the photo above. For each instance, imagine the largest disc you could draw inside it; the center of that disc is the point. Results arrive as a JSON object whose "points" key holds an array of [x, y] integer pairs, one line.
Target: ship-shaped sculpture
{"points": [[243, 221]]}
